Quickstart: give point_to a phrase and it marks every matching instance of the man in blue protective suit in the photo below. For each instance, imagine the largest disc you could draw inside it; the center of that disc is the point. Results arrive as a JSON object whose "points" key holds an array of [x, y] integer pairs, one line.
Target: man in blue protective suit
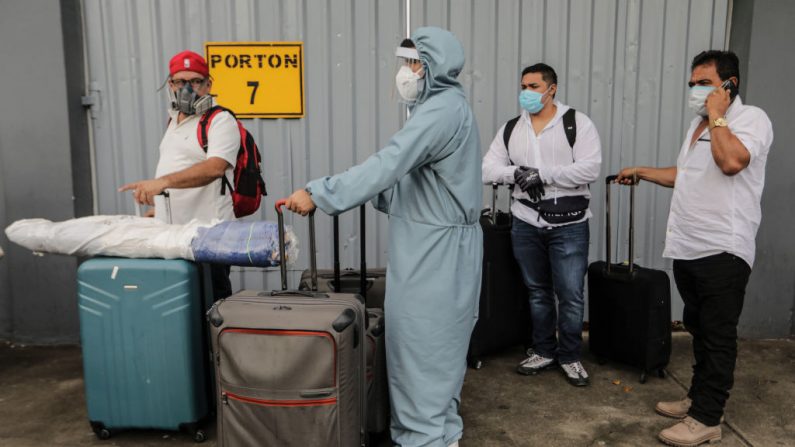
{"points": [[427, 179]]}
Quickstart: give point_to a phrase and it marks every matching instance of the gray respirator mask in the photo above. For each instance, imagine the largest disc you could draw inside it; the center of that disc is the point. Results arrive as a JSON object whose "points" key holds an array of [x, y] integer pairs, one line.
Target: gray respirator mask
{"points": [[186, 100]]}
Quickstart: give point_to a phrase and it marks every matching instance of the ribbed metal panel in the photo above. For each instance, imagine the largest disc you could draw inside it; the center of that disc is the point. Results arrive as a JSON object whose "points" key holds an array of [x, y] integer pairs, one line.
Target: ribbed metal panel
{"points": [[623, 62], [348, 73]]}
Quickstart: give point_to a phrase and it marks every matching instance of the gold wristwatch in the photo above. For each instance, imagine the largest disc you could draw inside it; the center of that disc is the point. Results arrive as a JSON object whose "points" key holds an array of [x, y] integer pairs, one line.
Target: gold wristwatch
{"points": [[718, 122]]}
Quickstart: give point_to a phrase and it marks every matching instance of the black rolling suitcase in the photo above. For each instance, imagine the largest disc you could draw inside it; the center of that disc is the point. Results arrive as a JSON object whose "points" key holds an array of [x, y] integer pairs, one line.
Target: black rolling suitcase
{"points": [[372, 288], [504, 319], [372, 285], [629, 308]]}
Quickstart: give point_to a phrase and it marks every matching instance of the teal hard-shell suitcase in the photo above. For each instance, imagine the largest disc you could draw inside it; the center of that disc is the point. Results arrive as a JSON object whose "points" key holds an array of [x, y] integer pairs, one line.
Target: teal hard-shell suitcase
{"points": [[141, 329]]}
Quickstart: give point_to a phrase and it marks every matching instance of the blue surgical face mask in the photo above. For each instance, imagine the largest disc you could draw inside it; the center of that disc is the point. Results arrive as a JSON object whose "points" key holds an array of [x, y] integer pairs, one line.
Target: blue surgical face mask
{"points": [[531, 101]]}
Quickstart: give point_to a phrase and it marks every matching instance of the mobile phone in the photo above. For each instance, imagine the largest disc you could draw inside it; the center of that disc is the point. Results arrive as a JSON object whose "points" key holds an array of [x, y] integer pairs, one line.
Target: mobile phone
{"points": [[729, 85]]}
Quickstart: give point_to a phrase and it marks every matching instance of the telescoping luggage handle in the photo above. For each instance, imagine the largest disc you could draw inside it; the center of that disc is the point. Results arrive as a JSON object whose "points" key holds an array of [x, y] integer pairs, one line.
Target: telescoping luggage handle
{"points": [[348, 316], [494, 187], [282, 252], [167, 198], [362, 248], [608, 180]]}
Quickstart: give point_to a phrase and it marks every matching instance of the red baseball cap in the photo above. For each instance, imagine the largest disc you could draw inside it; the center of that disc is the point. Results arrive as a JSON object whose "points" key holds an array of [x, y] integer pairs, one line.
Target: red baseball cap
{"points": [[188, 61]]}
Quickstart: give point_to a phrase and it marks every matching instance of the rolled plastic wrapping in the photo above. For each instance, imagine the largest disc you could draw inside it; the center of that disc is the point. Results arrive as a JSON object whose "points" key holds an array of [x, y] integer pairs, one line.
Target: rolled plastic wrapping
{"points": [[243, 243], [236, 243]]}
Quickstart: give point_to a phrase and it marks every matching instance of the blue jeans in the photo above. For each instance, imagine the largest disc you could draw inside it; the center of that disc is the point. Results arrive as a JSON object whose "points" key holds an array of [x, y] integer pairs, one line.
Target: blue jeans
{"points": [[553, 262]]}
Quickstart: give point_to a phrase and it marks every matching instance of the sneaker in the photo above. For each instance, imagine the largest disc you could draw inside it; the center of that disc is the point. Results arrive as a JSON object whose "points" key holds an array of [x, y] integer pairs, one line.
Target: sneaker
{"points": [[690, 433], [575, 373], [677, 409], [534, 364]]}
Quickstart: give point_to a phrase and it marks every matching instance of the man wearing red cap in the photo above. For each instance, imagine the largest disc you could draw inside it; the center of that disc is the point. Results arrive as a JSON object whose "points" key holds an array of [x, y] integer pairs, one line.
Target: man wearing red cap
{"points": [[192, 174]]}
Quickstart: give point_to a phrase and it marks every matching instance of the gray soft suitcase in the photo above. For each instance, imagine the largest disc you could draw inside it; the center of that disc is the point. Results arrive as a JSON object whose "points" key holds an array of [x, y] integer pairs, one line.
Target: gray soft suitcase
{"points": [[290, 365], [371, 285]]}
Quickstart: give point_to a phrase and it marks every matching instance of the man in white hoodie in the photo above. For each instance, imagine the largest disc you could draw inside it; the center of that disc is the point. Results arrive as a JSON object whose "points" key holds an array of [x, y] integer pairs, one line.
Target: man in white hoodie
{"points": [[551, 153]]}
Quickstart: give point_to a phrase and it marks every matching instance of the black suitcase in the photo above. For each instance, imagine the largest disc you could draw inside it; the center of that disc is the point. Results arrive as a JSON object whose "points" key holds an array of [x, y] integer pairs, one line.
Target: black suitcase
{"points": [[504, 319], [629, 308], [372, 287]]}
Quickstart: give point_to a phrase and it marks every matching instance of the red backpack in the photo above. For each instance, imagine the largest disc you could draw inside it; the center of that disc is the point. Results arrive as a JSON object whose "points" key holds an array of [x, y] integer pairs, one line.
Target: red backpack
{"points": [[249, 186]]}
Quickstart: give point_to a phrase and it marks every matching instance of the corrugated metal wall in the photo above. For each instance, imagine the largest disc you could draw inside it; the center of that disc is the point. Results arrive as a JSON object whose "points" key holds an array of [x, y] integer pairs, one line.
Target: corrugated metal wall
{"points": [[625, 63], [348, 72]]}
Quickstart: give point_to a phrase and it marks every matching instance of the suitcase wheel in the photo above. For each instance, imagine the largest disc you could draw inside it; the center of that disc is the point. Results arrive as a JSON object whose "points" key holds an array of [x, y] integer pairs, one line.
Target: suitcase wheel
{"points": [[475, 363], [199, 436], [661, 373], [100, 430], [643, 377]]}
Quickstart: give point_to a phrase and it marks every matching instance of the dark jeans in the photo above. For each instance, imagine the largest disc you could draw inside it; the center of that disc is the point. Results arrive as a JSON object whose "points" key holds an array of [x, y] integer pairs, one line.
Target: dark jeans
{"points": [[553, 262], [713, 289], [222, 286]]}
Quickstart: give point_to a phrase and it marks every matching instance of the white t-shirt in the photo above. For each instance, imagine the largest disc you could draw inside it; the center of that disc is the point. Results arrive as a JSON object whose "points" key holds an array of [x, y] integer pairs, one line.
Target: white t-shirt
{"points": [[180, 150], [712, 212], [565, 171]]}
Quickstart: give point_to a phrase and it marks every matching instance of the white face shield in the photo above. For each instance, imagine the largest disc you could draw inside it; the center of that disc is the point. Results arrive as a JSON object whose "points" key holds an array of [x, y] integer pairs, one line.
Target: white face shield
{"points": [[408, 82]]}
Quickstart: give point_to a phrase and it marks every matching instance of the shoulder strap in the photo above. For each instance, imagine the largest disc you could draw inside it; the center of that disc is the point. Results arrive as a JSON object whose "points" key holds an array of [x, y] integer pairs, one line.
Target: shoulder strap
{"points": [[570, 127], [204, 123], [506, 133]]}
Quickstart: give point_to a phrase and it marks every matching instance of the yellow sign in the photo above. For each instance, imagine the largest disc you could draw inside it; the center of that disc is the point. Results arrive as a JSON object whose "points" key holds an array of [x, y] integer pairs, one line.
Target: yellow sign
{"points": [[258, 79]]}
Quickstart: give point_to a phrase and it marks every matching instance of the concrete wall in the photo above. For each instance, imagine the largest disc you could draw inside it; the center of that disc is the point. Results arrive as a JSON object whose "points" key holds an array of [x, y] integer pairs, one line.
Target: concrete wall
{"points": [[764, 39], [37, 295]]}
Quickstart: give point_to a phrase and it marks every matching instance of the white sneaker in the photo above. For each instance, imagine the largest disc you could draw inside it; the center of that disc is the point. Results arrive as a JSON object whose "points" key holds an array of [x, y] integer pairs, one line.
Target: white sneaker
{"points": [[534, 364], [575, 373]]}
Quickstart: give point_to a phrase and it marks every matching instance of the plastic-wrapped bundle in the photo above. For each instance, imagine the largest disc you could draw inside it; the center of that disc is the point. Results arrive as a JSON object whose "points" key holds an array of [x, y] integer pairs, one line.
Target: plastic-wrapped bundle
{"points": [[236, 243], [123, 236], [243, 243]]}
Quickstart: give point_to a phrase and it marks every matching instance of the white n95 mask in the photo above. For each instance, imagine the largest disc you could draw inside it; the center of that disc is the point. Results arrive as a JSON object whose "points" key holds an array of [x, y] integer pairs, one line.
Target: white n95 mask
{"points": [[407, 83]]}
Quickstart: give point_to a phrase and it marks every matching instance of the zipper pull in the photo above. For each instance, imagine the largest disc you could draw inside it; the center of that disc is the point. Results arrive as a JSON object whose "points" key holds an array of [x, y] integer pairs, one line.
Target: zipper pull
{"points": [[224, 399]]}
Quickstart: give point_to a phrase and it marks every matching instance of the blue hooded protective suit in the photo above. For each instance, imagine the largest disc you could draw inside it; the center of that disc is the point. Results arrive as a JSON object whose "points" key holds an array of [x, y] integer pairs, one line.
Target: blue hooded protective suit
{"points": [[428, 180]]}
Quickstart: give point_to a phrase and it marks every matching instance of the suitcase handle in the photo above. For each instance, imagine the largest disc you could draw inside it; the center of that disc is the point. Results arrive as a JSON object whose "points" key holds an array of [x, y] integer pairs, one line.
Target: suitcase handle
{"points": [[312, 255], [139, 212], [608, 181], [493, 210], [363, 285]]}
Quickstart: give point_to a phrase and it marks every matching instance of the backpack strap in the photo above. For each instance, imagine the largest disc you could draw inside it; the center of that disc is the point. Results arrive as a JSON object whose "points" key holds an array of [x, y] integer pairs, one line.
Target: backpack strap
{"points": [[570, 126], [204, 124], [506, 134]]}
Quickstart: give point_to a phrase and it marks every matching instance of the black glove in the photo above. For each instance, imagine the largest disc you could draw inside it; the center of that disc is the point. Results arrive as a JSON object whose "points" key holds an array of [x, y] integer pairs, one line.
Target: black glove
{"points": [[530, 182]]}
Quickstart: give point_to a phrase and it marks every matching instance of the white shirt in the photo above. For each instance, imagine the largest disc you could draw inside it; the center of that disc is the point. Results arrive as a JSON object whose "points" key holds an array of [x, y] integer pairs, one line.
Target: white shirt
{"points": [[565, 171], [712, 212], [180, 150]]}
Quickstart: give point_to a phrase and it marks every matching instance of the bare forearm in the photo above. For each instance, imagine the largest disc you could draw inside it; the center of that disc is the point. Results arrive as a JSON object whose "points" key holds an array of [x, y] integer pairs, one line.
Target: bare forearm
{"points": [[728, 151], [198, 175], [661, 176]]}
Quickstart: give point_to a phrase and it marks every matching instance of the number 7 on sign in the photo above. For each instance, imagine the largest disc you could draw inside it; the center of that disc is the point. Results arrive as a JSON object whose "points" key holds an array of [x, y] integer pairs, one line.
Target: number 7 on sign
{"points": [[255, 86]]}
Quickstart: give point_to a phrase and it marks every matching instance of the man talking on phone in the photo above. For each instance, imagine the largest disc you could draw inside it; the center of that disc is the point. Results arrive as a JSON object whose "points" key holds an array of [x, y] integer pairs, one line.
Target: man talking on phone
{"points": [[715, 213]]}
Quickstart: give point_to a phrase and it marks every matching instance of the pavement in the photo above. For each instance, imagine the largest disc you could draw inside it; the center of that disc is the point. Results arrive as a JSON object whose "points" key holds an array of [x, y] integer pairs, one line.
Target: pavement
{"points": [[42, 402]]}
